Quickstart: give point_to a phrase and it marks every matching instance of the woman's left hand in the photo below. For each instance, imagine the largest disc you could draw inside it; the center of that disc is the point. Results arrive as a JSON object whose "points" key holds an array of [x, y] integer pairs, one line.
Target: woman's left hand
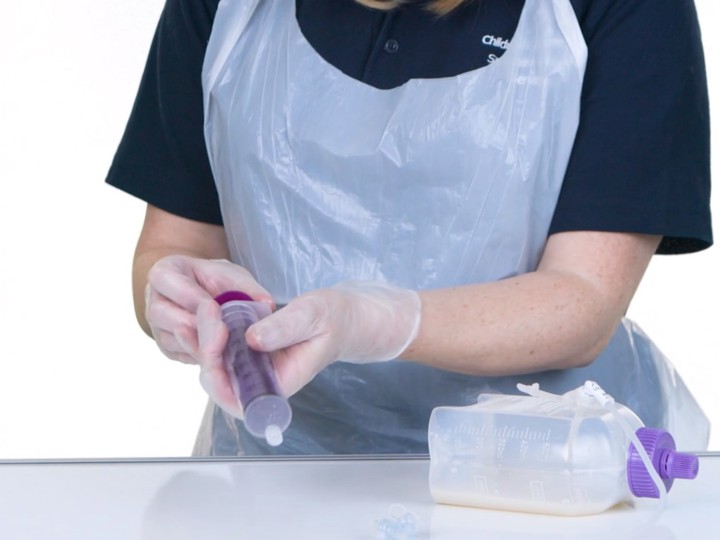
{"points": [[353, 321]]}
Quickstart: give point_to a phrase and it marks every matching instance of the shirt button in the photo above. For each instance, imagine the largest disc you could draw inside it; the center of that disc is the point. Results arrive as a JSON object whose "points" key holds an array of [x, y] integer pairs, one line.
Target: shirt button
{"points": [[391, 46]]}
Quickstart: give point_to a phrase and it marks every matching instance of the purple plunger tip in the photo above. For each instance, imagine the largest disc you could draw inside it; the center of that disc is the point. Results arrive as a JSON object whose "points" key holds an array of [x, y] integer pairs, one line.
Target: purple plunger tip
{"points": [[230, 296], [667, 462]]}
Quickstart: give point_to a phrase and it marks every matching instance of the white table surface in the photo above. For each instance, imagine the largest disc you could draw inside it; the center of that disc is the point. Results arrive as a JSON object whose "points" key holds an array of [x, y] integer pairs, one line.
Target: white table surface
{"points": [[308, 498]]}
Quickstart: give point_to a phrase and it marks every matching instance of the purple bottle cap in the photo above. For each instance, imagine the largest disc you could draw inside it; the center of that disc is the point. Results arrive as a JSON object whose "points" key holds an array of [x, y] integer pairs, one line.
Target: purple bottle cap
{"points": [[229, 296], [667, 462]]}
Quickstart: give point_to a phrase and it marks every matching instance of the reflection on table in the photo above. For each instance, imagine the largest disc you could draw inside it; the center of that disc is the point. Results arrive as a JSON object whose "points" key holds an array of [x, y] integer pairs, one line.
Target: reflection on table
{"points": [[304, 498]]}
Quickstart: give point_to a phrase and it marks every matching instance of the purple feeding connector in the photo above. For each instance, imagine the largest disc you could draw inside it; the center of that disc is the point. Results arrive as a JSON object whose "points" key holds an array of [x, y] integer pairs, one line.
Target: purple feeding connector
{"points": [[267, 413], [667, 462]]}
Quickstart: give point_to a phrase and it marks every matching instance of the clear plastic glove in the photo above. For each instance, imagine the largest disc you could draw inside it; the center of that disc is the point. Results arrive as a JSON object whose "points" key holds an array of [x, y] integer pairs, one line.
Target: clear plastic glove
{"points": [[185, 320], [353, 321]]}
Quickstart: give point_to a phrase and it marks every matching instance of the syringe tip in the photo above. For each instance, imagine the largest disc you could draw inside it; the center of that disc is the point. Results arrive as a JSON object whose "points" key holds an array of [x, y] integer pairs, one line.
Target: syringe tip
{"points": [[273, 435]]}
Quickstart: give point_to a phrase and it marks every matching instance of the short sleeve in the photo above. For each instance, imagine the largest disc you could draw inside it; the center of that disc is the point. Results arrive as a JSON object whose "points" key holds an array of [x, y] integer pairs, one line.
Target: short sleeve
{"points": [[162, 158], [641, 159]]}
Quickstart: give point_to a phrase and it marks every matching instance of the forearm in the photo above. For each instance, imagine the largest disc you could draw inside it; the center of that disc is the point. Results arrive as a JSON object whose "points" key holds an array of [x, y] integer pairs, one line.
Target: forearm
{"points": [[554, 318], [525, 324]]}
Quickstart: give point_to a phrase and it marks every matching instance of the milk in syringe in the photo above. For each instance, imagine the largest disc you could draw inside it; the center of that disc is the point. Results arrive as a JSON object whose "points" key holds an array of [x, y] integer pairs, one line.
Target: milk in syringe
{"points": [[267, 413]]}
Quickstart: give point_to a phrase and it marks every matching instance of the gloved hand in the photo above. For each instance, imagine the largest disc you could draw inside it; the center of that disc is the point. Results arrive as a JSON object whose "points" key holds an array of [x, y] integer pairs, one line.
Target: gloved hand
{"points": [[185, 319], [353, 321]]}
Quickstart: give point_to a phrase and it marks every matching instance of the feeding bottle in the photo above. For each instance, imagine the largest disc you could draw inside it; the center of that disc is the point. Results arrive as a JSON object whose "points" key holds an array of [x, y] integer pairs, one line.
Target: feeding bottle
{"points": [[267, 413], [573, 454]]}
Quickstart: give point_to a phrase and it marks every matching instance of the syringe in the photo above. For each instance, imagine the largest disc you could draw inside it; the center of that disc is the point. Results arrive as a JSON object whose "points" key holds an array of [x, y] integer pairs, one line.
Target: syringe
{"points": [[266, 411]]}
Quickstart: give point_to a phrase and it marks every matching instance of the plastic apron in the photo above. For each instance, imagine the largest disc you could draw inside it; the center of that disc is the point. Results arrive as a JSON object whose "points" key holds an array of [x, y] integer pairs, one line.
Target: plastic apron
{"points": [[436, 183]]}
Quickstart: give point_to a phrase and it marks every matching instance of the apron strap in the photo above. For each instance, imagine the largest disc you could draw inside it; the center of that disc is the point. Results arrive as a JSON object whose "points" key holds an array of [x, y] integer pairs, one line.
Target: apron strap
{"points": [[231, 19]]}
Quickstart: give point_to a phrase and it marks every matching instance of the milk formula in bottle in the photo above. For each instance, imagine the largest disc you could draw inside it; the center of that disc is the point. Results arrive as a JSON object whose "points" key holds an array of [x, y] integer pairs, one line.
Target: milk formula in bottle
{"points": [[575, 454]]}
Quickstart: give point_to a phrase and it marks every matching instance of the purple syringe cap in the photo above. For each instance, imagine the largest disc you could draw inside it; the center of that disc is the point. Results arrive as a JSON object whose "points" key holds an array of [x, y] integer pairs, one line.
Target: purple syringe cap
{"points": [[667, 462], [230, 296]]}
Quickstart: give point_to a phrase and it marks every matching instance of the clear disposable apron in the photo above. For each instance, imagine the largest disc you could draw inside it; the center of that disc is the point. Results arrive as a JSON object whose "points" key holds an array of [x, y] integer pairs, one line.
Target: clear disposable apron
{"points": [[436, 183]]}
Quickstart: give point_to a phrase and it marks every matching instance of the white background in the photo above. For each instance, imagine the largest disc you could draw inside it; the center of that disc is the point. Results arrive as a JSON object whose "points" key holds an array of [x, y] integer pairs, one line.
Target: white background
{"points": [[77, 376]]}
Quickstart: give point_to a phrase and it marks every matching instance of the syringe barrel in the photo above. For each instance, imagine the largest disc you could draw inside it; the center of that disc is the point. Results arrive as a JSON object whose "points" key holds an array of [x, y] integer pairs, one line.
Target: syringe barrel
{"points": [[251, 372]]}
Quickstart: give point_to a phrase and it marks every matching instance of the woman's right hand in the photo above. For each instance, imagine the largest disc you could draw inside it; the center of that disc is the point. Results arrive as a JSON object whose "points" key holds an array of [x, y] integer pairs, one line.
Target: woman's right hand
{"points": [[185, 320], [177, 286]]}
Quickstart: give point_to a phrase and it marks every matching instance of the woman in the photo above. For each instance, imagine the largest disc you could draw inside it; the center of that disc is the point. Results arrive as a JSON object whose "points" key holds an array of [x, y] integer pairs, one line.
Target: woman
{"points": [[450, 197]]}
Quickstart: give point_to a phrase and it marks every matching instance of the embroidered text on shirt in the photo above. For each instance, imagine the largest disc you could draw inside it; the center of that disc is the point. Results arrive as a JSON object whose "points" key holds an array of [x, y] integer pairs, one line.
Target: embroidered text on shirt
{"points": [[493, 41]]}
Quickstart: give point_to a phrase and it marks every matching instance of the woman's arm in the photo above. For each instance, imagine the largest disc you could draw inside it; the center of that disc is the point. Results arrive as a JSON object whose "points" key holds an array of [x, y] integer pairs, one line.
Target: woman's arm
{"points": [[165, 234], [560, 316]]}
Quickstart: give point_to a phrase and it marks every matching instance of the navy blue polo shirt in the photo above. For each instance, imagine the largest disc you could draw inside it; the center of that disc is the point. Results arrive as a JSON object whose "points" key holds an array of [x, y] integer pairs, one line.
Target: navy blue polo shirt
{"points": [[641, 158]]}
